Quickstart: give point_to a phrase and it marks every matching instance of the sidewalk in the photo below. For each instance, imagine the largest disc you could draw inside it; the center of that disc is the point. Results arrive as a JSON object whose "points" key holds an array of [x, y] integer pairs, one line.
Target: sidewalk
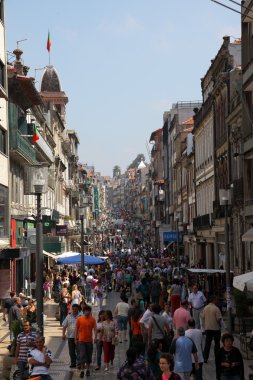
{"points": [[60, 366]]}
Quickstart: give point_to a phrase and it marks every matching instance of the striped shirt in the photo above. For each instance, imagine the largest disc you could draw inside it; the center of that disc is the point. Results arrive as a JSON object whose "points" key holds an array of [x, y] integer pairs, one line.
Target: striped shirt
{"points": [[24, 341], [70, 324]]}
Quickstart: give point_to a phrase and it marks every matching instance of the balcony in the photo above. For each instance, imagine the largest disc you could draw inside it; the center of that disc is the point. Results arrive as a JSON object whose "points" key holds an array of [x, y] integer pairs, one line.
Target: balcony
{"points": [[44, 150], [202, 221], [21, 148]]}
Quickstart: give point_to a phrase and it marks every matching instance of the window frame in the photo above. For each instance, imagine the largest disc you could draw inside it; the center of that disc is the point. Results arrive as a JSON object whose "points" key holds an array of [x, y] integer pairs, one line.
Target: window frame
{"points": [[3, 133]]}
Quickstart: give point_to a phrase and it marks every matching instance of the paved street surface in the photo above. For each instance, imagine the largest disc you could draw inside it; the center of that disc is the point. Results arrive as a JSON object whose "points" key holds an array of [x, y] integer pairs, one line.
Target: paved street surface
{"points": [[60, 367]]}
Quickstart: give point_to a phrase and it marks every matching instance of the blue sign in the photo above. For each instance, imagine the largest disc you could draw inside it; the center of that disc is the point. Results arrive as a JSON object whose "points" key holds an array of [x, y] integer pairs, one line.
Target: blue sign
{"points": [[171, 236]]}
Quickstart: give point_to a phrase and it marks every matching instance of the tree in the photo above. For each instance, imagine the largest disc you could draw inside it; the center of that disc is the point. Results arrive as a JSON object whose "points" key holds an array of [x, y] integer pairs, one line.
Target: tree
{"points": [[134, 165], [116, 171]]}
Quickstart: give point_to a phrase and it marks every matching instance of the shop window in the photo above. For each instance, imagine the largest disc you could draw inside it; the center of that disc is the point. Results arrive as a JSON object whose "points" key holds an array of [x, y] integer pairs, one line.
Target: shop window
{"points": [[3, 141], [3, 211]]}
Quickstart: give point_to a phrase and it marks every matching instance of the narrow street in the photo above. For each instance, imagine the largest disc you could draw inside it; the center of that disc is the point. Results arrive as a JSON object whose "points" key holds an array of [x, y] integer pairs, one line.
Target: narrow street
{"points": [[60, 367]]}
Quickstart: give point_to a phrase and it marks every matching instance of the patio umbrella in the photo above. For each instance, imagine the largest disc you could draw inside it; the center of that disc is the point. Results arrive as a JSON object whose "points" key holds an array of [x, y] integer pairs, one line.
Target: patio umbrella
{"points": [[88, 260], [244, 280]]}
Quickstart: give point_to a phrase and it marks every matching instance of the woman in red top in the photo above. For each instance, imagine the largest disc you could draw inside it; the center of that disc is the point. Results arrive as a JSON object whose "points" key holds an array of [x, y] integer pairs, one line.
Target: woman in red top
{"points": [[167, 366], [135, 326]]}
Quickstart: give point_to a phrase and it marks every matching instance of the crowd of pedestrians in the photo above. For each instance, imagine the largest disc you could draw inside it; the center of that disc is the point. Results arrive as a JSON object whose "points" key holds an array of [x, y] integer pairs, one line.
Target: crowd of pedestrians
{"points": [[161, 318]]}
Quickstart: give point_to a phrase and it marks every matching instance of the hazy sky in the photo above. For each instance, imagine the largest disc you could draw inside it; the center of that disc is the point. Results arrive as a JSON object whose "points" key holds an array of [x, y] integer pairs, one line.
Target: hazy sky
{"points": [[122, 63]]}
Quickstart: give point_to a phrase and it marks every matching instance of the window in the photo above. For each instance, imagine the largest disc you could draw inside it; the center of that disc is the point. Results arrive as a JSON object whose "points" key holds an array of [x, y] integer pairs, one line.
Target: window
{"points": [[4, 220], [3, 141], [1, 10], [2, 74]]}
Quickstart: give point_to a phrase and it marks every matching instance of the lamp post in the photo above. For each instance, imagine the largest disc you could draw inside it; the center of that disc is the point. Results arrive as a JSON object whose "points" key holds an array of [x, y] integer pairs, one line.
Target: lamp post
{"points": [[81, 215], [39, 181], [35, 182], [225, 200]]}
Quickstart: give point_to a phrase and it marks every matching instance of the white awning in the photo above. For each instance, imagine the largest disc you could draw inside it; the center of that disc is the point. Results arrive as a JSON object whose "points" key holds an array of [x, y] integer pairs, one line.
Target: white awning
{"points": [[244, 280], [52, 255], [248, 236]]}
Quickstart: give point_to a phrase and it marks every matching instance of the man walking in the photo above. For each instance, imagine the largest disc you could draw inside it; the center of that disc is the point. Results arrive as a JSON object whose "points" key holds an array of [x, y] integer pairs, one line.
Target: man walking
{"points": [[85, 328], [197, 301], [212, 320], [196, 336], [25, 341], [181, 316], [183, 348], [69, 326], [14, 314]]}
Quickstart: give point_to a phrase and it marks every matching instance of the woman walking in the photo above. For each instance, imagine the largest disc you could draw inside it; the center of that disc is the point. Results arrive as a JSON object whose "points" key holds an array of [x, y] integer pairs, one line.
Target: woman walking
{"points": [[99, 294], [101, 318], [121, 311], [109, 334], [76, 295]]}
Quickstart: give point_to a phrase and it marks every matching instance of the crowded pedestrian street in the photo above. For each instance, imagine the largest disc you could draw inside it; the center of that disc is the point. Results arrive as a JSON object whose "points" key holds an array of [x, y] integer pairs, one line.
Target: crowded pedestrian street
{"points": [[126, 207], [60, 368]]}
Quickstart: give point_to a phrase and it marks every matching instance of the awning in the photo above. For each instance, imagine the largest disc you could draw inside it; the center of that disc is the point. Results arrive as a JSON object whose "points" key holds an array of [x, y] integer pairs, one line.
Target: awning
{"points": [[244, 280], [248, 236], [53, 256]]}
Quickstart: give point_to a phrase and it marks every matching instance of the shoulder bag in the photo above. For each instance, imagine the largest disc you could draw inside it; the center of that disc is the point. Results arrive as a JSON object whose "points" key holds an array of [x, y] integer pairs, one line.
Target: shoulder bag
{"points": [[167, 339]]}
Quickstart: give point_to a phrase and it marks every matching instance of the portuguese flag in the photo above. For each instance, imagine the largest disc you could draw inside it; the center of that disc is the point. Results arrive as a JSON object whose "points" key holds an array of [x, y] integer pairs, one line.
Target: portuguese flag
{"points": [[48, 42], [36, 135]]}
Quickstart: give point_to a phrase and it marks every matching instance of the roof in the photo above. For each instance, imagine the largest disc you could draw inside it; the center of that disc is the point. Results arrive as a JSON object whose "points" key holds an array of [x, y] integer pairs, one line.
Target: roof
{"points": [[153, 134], [50, 80]]}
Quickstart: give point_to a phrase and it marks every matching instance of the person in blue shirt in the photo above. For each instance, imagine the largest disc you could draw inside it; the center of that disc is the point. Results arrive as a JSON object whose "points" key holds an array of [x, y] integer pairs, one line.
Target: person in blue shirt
{"points": [[182, 348]]}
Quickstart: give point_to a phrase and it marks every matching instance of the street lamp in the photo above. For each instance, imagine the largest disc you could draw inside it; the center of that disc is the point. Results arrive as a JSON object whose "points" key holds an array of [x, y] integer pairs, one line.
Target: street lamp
{"points": [[225, 200], [81, 215], [39, 179], [35, 182]]}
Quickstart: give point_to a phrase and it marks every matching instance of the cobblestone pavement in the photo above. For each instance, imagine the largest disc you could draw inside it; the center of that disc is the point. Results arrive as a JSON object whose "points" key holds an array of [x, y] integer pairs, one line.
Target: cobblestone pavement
{"points": [[60, 366]]}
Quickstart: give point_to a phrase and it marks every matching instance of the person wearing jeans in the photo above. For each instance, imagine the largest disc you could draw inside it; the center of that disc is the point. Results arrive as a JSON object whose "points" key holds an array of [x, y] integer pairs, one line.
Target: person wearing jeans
{"points": [[100, 320], [69, 325], [121, 312]]}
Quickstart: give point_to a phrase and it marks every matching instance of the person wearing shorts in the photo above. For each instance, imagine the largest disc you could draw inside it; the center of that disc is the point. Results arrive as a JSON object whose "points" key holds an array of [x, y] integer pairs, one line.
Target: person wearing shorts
{"points": [[86, 328]]}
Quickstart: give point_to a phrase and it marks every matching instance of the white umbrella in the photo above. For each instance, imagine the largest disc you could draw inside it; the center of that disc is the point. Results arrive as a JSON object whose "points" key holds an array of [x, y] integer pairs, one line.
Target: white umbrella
{"points": [[67, 254], [244, 280]]}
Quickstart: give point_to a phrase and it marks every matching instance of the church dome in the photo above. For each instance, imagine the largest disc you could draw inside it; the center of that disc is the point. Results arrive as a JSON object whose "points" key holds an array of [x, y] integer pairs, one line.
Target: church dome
{"points": [[50, 80]]}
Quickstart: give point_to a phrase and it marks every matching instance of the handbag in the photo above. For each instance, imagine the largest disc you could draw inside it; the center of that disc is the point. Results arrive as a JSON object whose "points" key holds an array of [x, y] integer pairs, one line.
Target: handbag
{"points": [[167, 339], [115, 341]]}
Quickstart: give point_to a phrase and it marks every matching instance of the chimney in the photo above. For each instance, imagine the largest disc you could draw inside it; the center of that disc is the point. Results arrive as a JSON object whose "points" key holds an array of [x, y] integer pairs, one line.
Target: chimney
{"points": [[17, 63]]}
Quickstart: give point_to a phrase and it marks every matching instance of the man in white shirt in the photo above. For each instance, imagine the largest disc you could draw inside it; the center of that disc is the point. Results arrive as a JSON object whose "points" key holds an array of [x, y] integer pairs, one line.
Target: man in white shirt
{"points": [[196, 336], [197, 301], [144, 323]]}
